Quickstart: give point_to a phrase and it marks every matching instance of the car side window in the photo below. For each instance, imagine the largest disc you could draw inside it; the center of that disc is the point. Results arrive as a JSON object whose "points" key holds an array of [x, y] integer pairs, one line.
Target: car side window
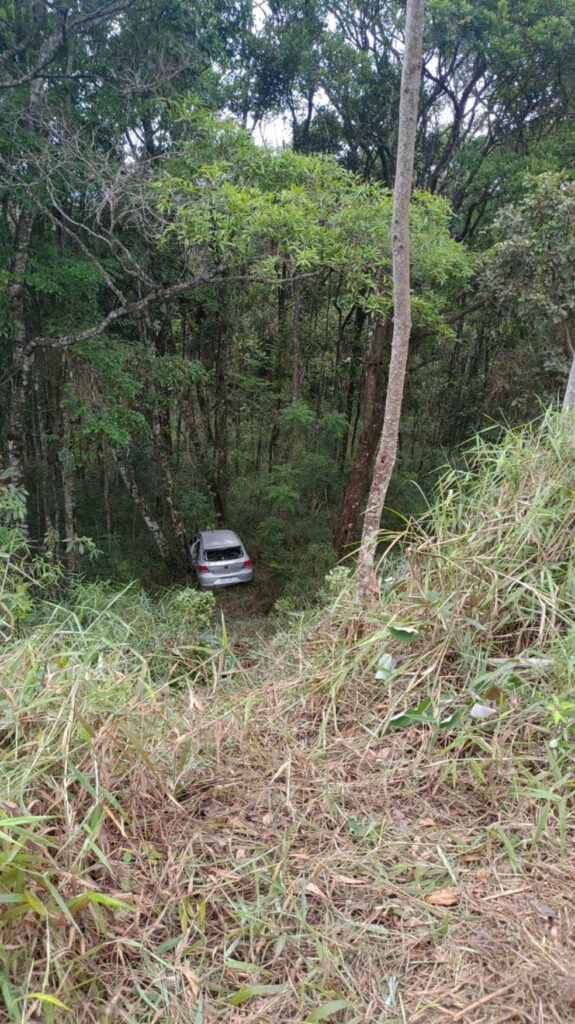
{"points": [[195, 551]]}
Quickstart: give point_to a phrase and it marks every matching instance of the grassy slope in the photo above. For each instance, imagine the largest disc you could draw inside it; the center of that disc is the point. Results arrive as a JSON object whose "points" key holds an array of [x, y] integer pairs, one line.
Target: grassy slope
{"points": [[299, 840]]}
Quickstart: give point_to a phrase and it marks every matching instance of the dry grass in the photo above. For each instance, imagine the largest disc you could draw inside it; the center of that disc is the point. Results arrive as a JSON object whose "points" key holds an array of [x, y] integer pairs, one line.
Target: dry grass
{"points": [[280, 845]]}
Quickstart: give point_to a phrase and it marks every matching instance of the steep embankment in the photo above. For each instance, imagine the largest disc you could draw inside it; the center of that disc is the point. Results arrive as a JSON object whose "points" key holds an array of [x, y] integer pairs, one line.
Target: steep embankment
{"points": [[372, 823]]}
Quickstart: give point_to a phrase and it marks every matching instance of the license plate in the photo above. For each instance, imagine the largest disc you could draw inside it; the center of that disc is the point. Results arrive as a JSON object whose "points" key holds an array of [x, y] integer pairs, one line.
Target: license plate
{"points": [[227, 579]]}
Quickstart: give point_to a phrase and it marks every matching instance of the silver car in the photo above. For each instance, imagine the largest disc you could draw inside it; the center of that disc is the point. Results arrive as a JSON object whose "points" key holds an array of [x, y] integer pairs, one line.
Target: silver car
{"points": [[219, 559]]}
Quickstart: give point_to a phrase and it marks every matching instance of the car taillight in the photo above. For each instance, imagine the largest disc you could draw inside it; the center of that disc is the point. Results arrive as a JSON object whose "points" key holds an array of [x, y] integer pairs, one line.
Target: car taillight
{"points": [[203, 568], [247, 564]]}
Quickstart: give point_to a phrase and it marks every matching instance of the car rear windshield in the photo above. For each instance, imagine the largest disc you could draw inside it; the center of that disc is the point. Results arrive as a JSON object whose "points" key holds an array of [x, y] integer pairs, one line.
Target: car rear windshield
{"points": [[223, 554]]}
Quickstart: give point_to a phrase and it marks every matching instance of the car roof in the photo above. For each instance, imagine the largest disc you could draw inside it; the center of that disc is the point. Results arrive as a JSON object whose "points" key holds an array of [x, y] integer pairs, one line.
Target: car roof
{"points": [[219, 538]]}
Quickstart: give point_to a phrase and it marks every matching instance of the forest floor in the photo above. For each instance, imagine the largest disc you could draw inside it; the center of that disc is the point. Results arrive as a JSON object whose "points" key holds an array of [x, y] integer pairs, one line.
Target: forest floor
{"points": [[364, 819]]}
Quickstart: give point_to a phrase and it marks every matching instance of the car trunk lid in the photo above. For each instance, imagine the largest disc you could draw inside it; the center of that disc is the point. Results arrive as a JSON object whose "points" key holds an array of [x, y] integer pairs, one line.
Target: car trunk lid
{"points": [[225, 561]]}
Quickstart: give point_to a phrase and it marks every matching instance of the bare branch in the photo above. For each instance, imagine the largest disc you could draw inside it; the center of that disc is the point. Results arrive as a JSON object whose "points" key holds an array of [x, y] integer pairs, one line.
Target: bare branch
{"points": [[158, 295]]}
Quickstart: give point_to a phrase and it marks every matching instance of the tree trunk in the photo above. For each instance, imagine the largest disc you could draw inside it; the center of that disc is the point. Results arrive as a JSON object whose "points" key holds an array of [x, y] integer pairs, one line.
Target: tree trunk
{"points": [[139, 500], [201, 452], [163, 457], [400, 242], [372, 419], [348, 439], [105, 479], [296, 342], [68, 492], [23, 354], [43, 460], [22, 357], [68, 481], [221, 417], [569, 397]]}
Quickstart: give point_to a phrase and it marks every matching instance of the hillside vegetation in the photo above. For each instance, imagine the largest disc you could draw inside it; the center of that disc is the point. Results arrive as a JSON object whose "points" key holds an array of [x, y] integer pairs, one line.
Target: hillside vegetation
{"points": [[367, 819]]}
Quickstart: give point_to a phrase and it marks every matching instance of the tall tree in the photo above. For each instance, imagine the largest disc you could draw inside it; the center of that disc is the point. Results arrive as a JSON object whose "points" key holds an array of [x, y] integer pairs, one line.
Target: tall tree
{"points": [[400, 252], [528, 286], [494, 86]]}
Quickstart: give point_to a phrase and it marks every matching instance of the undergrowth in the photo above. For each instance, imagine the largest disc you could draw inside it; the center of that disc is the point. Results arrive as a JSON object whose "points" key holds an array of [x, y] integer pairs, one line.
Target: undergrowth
{"points": [[369, 821]]}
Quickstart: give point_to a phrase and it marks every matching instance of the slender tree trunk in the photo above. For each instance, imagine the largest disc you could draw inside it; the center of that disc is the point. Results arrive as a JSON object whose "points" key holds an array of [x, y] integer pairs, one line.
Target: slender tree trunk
{"points": [[296, 342], [258, 450], [43, 460], [22, 357], [105, 478], [348, 438], [201, 452], [42, 507], [140, 502], [221, 416], [163, 457], [569, 397], [68, 480], [68, 492], [23, 353], [385, 460], [163, 341], [372, 419], [274, 435]]}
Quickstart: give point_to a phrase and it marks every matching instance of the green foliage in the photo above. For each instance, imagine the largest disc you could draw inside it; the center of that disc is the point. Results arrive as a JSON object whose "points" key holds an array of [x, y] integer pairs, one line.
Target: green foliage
{"points": [[531, 268], [195, 607], [252, 208], [297, 418], [24, 579], [526, 282], [12, 504]]}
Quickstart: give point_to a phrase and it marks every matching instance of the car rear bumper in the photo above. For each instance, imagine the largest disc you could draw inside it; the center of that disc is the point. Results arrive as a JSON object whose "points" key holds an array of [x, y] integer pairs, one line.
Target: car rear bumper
{"points": [[211, 581]]}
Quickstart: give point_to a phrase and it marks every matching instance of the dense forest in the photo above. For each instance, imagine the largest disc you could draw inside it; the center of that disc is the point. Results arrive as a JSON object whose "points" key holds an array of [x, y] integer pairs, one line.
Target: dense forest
{"points": [[196, 327]]}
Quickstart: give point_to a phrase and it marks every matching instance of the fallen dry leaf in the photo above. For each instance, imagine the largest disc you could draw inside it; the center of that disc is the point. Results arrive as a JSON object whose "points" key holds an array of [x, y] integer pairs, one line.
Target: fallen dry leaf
{"points": [[495, 694], [242, 826], [190, 977], [443, 898], [195, 702], [427, 823], [314, 890]]}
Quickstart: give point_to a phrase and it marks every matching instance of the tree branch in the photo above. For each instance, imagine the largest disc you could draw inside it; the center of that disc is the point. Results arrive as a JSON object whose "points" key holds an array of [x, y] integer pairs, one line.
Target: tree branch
{"points": [[139, 305], [57, 38]]}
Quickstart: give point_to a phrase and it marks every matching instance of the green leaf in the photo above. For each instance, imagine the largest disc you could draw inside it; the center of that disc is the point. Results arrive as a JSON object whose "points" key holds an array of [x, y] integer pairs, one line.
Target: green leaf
{"points": [[99, 897], [35, 903], [385, 667], [45, 997], [327, 1010], [243, 995], [404, 633], [241, 965], [423, 713]]}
